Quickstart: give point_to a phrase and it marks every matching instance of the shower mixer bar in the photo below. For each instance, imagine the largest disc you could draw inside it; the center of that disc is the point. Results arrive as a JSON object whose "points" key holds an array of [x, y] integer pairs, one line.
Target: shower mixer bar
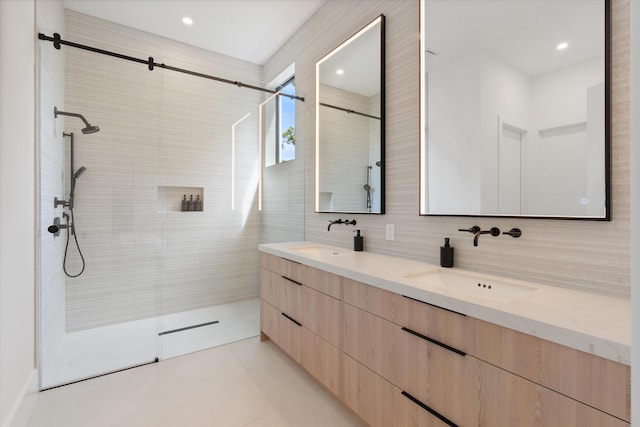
{"points": [[151, 64]]}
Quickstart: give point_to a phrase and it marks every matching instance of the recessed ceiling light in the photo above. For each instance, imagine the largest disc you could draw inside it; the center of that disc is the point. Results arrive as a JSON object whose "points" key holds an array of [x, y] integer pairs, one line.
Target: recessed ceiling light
{"points": [[187, 21], [339, 71], [562, 46]]}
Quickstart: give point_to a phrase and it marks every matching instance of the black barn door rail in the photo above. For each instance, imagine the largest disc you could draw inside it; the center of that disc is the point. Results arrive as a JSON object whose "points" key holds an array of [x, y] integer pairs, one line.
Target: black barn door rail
{"points": [[151, 64]]}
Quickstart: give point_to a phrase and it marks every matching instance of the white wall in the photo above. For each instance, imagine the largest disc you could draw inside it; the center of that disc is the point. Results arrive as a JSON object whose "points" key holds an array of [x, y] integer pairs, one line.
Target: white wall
{"points": [[587, 255], [17, 206], [454, 146]]}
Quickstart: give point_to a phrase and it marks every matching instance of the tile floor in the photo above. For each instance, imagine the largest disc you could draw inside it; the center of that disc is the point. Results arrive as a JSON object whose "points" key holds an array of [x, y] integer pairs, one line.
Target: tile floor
{"points": [[246, 383]]}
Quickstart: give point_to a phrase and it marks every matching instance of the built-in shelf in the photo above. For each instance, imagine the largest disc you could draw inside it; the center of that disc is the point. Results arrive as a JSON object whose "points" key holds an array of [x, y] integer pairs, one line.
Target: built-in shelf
{"points": [[170, 197]]}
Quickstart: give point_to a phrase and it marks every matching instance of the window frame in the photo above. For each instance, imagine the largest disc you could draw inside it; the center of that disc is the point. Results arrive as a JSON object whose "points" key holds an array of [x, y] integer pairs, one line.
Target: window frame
{"points": [[279, 130]]}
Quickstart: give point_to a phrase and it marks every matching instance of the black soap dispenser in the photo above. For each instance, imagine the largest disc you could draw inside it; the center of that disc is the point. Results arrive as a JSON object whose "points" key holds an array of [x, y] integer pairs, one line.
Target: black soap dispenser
{"points": [[358, 242], [446, 254]]}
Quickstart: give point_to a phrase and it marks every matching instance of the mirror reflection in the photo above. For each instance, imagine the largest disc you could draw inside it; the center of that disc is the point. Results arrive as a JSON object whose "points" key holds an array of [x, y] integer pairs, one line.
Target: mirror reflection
{"points": [[514, 108], [350, 124]]}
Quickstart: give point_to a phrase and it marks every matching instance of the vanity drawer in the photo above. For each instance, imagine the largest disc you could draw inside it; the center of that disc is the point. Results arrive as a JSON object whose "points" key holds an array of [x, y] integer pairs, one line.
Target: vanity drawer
{"points": [[440, 324], [510, 400], [369, 298], [436, 377], [318, 312], [282, 330], [378, 402], [443, 378], [319, 357], [324, 282], [369, 339], [322, 360], [598, 382], [319, 280], [281, 293], [283, 267]]}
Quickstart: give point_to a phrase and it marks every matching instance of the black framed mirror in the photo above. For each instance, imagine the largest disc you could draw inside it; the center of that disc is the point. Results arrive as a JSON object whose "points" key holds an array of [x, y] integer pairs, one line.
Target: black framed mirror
{"points": [[515, 108], [350, 124]]}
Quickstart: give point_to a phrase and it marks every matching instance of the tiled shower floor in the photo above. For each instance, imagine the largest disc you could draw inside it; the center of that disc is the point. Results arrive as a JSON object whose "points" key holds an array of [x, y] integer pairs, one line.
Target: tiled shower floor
{"points": [[97, 351]]}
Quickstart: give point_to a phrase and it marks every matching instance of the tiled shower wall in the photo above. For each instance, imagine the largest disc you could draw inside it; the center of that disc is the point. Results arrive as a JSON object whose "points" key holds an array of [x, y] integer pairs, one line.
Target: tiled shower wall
{"points": [[586, 255], [163, 134]]}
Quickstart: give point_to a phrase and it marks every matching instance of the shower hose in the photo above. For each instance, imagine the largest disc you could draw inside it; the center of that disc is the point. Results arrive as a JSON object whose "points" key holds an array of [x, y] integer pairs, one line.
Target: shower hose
{"points": [[66, 248]]}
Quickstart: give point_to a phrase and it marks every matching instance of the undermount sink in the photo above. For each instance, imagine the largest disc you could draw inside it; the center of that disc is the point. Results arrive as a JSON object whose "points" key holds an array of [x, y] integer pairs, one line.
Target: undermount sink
{"points": [[480, 286], [319, 251]]}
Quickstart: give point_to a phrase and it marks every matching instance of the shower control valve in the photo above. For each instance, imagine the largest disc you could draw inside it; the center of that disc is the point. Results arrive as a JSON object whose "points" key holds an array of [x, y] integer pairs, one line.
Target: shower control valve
{"points": [[57, 226], [62, 203]]}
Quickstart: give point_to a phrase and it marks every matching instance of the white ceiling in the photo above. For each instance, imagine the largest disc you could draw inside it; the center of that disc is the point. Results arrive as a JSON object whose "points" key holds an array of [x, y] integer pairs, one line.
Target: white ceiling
{"points": [[251, 30]]}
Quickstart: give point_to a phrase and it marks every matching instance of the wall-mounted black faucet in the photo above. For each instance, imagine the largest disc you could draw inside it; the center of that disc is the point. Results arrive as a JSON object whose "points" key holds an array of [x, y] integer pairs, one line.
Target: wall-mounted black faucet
{"points": [[472, 230], [340, 221], [477, 231], [494, 231]]}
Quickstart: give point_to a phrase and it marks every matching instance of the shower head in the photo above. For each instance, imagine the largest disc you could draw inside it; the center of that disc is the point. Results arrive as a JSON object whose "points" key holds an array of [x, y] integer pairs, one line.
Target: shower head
{"points": [[79, 172], [87, 130], [90, 129]]}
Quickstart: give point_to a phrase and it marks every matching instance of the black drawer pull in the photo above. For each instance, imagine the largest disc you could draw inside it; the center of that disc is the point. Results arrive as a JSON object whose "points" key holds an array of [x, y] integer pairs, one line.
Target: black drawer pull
{"points": [[436, 306], [428, 409], [292, 319], [290, 260], [431, 340], [291, 280]]}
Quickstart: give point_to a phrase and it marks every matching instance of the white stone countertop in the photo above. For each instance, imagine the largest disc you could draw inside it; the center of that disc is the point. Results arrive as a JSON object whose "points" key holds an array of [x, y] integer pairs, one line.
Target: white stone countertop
{"points": [[592, 323]]}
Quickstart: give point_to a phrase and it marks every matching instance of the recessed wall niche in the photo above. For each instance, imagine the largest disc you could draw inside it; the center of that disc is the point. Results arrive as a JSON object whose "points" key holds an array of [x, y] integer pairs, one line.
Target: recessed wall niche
{"points": [[170, 199]]}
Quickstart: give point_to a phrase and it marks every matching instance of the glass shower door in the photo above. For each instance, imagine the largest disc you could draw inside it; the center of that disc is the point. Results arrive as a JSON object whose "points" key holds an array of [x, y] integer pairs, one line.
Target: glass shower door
{"points": [[104, 319]]}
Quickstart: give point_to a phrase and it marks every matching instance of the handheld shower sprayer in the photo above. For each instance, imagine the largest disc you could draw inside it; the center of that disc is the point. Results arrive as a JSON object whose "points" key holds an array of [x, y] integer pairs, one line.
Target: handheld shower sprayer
{"points": [[75, 177], [87, 130], [79, 172]]}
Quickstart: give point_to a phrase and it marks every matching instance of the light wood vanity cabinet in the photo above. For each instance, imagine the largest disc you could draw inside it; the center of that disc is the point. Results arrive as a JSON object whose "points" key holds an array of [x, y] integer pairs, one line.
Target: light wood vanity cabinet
{"points": [[476, 373], [396, 361], [595, 381], [303, 321]]}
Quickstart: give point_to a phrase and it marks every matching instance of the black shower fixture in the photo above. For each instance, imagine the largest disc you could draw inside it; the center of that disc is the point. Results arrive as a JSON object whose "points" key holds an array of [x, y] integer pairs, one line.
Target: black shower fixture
{"points": [[87, 130]]}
